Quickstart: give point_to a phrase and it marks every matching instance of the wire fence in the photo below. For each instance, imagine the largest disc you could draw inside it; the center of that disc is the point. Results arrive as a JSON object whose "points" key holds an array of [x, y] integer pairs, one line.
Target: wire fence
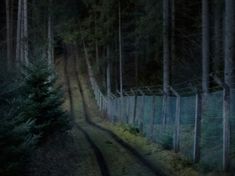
{"points": [[198, 139]]}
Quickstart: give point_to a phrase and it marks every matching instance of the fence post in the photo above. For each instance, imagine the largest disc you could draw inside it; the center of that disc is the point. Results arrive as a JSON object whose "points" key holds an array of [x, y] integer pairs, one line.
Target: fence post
{"points": [[226, 122], [113, 110], [226, 128], [197, 124], [120, 108], [127, 106], [102, 103], [165, 113], [177, 121], [153, 117], [142, 110], [197, 128], [135, 104], [99, 101], [109, 106]]}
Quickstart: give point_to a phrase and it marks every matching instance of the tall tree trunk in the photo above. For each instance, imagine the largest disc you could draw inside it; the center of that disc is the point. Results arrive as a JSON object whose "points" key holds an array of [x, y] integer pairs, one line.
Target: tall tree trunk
{"points": [[96, 47], [50, 49], [120, 49], [136, 55], [166, 56], [228, 76], [12, 34], [205, 46], [108, 72], [218, 10], [172, 33], [22, 35], [18, 37], [97, 55], [136, 68], [120, 58], [108, 79], [25, 32], [8, 34], [229, 43]]}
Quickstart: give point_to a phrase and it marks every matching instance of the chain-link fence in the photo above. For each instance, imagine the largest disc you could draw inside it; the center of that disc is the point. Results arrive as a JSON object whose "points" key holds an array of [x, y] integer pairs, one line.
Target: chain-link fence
{"points": [[195, 124]]}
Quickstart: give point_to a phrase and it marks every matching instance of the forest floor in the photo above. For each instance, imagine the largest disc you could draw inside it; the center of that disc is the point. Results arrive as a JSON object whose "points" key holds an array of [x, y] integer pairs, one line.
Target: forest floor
{"points": [[94, 146]]}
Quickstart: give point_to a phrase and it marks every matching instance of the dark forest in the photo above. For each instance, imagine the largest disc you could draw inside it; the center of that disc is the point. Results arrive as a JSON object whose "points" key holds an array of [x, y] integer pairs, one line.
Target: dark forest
{"points": [[117, 87]]}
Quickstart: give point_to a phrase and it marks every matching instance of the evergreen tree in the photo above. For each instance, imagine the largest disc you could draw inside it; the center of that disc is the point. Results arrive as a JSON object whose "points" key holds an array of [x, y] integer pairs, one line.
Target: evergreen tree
{"points": [[30, 112], [43, 100], [16, 137]]}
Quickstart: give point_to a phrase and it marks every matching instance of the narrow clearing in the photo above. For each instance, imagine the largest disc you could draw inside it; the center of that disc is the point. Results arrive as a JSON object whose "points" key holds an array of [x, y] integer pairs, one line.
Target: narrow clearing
{"points": [[100, 151]]}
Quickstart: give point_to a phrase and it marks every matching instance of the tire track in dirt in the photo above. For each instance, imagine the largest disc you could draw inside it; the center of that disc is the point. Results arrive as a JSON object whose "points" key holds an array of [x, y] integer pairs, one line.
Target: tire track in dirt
{"points": [[122, 143], [99, 156]]}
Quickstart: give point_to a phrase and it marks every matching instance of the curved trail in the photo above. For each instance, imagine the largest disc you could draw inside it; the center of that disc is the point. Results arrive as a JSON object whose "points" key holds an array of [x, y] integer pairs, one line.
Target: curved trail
{"points": [[99, 157], [111, 152], [125, 145]]}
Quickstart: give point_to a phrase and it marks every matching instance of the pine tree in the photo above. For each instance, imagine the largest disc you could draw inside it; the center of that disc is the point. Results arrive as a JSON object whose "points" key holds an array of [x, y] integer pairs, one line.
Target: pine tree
{"points": [[43, 100], [16, 137]]}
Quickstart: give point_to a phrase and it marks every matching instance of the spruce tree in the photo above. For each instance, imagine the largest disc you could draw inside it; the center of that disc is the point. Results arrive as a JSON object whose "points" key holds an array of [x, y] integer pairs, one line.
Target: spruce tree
{"points": [[16, 137], [43, 100]]}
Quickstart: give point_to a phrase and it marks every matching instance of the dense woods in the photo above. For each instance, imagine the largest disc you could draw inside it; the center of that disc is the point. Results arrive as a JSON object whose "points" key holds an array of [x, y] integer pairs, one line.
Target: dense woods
{"points": [[176, 48]]}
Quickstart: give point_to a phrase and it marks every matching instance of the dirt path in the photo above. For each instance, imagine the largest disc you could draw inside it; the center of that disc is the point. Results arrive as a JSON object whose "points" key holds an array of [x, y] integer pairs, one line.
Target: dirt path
{"points": [[107, 153]]}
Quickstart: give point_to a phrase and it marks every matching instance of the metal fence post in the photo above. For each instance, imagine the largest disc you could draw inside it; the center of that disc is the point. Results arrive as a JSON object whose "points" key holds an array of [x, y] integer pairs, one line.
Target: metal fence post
{"points": [[165, 104], [153, 117], [226, 122], [141, 119], [100, 101], [126, 106], [128, 110], [177, 121], [134, 107], [197, 124], [197, 128]]}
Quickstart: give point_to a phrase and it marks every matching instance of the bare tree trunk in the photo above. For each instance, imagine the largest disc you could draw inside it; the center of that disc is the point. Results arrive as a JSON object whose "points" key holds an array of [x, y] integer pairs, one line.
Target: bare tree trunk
{"points": [[108, 72], [217, 36], [18, 38], [136, 62], [166, 56], [22, 61], [25, 31], [205, 46], [8, 30], [136, 69], [97, 55], [22, 37], [228, 76], [50, 49], [120, 50], [172, 31], [229, 43], [108, 79], [96, 47], [12, 34], [120, 56]]}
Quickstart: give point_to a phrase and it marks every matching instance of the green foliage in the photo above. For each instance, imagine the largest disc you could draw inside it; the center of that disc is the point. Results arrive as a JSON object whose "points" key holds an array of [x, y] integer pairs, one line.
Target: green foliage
{"points": [[16, 138], [30, 112], [131, 129], [43, 100]]}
